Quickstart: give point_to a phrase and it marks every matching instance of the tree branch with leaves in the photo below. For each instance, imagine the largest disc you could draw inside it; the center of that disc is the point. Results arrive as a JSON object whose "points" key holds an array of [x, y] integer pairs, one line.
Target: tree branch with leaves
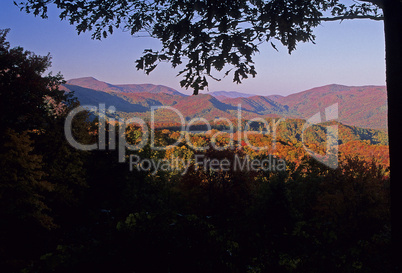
{"points": [[205, 37]]}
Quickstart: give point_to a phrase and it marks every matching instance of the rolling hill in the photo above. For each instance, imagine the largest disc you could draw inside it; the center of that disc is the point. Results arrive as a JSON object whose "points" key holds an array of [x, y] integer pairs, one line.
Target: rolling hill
{"points": [[362, 106], [88, 96], [92, 83]]}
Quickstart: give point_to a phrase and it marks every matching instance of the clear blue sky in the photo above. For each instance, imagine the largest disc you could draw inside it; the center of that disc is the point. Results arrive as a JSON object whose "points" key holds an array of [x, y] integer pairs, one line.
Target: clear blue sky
{"points": [[349, 53]]}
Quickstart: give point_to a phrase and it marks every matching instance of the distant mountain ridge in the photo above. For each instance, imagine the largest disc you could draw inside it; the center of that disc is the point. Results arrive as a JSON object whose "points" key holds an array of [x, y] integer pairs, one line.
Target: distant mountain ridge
{"points": [[362, 106], [144, 96], [92, 83], [230, 94]]}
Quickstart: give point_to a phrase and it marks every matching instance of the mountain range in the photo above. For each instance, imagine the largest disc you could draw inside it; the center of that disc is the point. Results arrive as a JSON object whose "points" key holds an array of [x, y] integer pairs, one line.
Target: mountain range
{"points": [[361, 106]]}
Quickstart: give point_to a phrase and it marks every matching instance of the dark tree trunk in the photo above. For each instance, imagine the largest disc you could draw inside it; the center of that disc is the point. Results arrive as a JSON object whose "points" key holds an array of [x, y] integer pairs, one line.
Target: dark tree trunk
{"points": [[393, 47]]}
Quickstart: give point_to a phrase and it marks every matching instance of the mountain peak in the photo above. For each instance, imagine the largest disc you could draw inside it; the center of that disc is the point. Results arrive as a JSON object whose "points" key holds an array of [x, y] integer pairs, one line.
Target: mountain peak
{"points": [[150, 88], [92, 83], [82, 80]]}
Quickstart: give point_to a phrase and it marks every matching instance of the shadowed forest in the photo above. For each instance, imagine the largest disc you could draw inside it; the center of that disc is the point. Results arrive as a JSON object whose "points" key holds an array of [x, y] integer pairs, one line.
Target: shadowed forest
{"points": [[66, 210]]}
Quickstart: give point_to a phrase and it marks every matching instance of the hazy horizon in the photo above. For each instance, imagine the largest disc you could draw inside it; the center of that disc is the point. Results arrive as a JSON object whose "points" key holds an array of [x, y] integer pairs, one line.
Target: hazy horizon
{"points": [[228, 91]]}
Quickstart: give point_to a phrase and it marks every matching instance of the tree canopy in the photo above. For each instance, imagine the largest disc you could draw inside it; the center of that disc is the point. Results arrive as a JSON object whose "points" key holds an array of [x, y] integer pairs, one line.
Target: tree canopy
{"points": [[41, 175], [23, 89], [206, 39]]}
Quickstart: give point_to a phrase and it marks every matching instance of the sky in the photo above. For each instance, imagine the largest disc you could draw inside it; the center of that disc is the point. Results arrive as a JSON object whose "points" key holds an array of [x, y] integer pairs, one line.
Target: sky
{"points": [[348, 53]]}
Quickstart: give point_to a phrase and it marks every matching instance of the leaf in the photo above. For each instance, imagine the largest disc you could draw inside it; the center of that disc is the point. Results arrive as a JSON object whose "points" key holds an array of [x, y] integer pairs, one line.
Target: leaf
{"points": [[150, 69], [272, 44], [140, 64]]}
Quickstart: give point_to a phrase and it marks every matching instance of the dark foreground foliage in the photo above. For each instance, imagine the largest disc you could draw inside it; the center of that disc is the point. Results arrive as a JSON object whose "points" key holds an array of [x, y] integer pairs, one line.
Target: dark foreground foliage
{"points": [[307, 219], [64, 210]]}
